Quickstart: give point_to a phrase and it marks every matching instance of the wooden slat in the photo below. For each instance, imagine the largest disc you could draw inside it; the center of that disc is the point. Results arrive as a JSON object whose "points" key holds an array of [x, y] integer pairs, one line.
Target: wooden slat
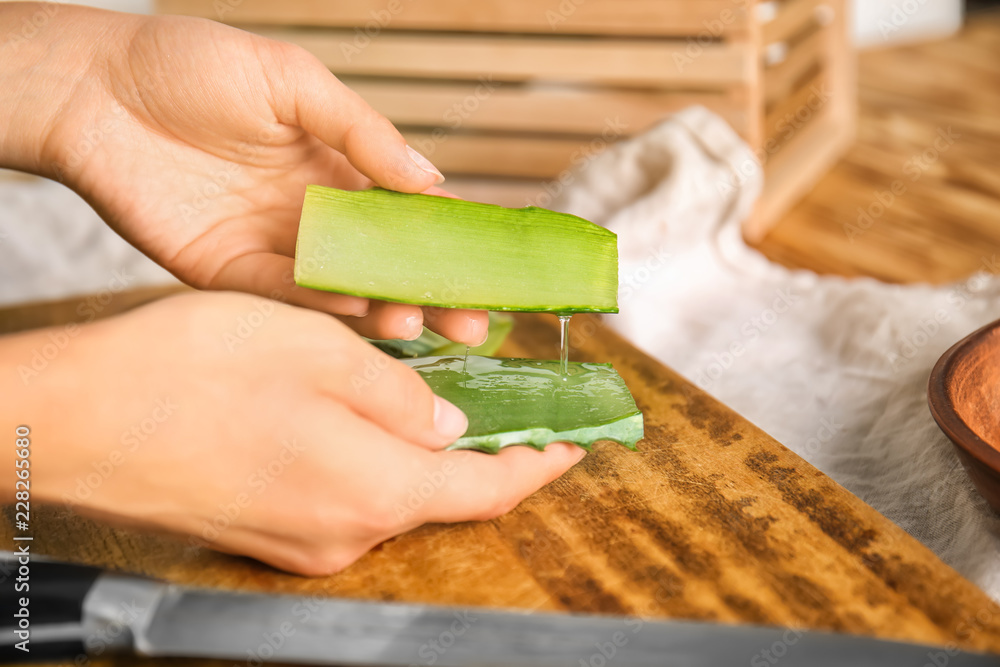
{"points": [[606, 17], [793, 171], [493, 155], [506, 107], [798, 165], [513, 193], [619, 62], [780, 80], [793, 17], [799, 107]]}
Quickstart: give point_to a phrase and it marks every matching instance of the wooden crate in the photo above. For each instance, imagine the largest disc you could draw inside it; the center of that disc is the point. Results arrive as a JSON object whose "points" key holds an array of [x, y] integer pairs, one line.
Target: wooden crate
{"points": [[505, 95]]}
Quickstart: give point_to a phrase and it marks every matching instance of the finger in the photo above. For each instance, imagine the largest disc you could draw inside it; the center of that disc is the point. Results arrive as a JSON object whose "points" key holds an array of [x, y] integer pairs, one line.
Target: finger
{"points": [[388, 321], [276, 550], [312, 98], [440, 192], [389, 394], [480, 487], [270, 275], [462, 326]]}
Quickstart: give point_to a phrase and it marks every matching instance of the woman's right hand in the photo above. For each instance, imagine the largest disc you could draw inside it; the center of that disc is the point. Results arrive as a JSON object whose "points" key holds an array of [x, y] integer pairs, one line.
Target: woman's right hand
{"points": [[260, 428]]}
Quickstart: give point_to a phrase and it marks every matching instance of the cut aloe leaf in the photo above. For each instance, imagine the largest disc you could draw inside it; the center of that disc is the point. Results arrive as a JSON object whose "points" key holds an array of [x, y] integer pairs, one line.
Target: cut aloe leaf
{"points": [[431, 344], [529, 402], [451, 253]]}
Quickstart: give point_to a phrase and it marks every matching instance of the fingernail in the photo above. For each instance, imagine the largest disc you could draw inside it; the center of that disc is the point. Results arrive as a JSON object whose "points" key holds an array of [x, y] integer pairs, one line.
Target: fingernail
{"points": [[425, 165], [360, 309], [475, 334], [413, 326], [450, 422], [574, 452]]}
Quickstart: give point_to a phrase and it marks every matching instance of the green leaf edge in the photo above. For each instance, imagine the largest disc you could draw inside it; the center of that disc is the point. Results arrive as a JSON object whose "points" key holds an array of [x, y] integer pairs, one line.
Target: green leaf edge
{"points": [[431, 344], [322, 191], [627, 431], [559, 310]]}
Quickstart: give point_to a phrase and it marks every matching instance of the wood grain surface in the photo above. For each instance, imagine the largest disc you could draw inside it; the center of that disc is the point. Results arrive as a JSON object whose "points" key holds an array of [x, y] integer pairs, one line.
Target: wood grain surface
{"points": [[946, 225], [711, 519]]}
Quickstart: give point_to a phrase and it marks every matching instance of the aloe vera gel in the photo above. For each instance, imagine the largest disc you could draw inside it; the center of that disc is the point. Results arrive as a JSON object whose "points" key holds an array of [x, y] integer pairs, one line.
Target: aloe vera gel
{"points": [[451, 253], [435, 251], [531, 402]]}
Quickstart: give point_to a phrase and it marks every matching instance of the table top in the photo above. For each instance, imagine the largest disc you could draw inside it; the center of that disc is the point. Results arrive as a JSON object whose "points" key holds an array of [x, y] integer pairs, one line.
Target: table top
{"points": [[946, 225], [711, 519]]}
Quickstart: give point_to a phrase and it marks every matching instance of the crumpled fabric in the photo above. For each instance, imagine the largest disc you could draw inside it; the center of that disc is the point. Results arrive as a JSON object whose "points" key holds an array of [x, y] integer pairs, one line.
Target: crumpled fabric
{"points": [[53, 245], [835, 369]]}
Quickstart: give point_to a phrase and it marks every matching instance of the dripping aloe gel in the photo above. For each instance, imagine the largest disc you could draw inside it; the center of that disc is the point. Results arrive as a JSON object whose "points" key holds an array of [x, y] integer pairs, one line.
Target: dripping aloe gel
{"points": [[451, 253]]}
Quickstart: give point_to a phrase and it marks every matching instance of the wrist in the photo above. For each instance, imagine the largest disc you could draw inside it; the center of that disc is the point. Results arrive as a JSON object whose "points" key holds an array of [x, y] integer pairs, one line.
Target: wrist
{"points": [[41, 383], [51, 74]]}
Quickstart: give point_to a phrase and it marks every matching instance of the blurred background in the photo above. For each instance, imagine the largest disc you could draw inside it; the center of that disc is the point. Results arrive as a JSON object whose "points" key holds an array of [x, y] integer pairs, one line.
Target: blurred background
{"points": [[840, 100], [935, 18]]}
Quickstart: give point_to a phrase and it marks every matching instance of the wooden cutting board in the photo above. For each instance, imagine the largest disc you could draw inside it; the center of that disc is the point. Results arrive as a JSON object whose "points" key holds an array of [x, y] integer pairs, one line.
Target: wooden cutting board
{"points": [[712, 519]]}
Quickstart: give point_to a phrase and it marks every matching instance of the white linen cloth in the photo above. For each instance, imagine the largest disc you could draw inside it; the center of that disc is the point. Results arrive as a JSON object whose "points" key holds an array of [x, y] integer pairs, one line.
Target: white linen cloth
{"points": [[53, 245], [835, 369]]}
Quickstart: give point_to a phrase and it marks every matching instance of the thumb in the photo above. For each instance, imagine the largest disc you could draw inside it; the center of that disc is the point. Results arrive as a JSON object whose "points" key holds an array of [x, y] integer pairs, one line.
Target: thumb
{"points": [[392, 395], [322, 105]]}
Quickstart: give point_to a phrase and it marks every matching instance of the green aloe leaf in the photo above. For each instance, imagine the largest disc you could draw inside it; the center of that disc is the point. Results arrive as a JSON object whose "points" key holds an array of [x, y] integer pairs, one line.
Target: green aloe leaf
{"points": [[530, 402], [451, 253], [431, 344]]}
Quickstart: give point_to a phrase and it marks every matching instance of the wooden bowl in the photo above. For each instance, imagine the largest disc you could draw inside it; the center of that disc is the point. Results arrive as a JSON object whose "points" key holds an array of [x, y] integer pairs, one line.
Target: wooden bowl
{"points": [[964, 396]]}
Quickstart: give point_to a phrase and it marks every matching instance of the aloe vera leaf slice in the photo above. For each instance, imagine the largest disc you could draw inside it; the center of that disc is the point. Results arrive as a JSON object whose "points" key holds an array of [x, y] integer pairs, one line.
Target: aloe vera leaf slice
{"points": [[431, 344], [451, 253], [529, 402]]}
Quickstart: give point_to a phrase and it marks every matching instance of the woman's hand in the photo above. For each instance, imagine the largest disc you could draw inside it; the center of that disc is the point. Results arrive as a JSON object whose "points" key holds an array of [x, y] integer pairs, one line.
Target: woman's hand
{"points": [[260, 428], [195, 141]]}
